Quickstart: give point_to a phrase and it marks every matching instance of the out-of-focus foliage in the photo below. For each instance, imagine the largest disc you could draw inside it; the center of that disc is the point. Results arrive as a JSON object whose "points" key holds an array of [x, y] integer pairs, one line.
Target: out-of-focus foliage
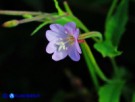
{"points": [[133, 99], [111, 91]]}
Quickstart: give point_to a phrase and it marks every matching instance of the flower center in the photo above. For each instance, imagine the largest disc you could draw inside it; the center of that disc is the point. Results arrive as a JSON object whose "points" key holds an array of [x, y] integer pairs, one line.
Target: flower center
{"points": [[63, 44]]}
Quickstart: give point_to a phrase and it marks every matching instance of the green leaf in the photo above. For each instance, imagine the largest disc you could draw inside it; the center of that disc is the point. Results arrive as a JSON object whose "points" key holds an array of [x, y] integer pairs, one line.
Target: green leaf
{"points": [[115, 26], [111, 92], [106, 49], [39, 27], [114, 30], [60, 11], [133, 98]]}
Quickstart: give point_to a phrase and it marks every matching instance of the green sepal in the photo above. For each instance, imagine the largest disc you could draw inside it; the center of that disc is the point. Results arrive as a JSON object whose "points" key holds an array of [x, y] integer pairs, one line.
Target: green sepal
{"points": [[91, 34]]}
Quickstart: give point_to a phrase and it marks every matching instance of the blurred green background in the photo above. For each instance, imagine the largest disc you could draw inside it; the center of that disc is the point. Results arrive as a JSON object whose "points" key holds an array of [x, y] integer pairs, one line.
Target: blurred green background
{"points": [[26, 68]]}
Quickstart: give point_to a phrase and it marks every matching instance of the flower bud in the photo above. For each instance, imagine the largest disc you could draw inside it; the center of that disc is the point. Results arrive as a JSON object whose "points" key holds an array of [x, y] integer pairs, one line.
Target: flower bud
{"points": [[11, 23]]}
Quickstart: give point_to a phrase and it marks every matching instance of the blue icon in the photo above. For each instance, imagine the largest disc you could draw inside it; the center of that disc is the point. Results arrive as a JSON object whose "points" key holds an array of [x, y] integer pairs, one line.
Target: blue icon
{"points": [[11, 96]]}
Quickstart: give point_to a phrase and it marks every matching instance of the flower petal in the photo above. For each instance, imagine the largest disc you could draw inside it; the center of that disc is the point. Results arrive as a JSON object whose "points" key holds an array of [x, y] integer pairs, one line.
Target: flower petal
{"points": [[51, 47], [78, 47], [73, 53], [70, 27], [59, 55], [57, 28], [50, 35], [76, 33]]}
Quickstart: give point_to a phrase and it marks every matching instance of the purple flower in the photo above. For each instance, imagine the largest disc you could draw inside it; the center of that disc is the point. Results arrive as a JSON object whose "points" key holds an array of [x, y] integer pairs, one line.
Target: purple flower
{"points": [[63, 41]]}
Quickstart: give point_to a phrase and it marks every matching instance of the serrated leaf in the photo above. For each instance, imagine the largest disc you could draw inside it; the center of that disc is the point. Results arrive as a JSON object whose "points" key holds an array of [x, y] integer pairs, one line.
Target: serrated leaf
{"points": [[115, 26], [111, 92], [106, 49]]}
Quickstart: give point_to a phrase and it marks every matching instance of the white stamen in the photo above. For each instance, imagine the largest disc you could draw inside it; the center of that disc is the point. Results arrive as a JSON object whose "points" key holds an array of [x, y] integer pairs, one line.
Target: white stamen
{"points": [[62, 43], [61, 46]]}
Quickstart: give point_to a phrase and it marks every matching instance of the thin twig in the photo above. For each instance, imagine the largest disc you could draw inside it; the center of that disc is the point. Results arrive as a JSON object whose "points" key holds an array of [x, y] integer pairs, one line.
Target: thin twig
{"points": [[37, 18], [19, 13]]}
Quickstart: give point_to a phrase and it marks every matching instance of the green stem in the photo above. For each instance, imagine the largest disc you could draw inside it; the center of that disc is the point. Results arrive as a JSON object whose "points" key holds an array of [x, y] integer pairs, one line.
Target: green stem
{"points": [[67, 8], [83, 27], [92, 59], [114, 64], [36, 18], [20, 13], [87, 56]]}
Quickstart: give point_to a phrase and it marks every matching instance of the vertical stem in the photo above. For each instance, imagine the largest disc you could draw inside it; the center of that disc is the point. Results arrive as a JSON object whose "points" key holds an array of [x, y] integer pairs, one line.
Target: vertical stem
{"points": [[67, 8], [93, 61], [86, 53], [114, 64]]}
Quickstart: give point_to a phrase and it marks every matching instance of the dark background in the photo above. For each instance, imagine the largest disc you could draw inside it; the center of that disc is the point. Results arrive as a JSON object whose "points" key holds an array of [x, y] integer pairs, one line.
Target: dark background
{"points": [[25, 67]]}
